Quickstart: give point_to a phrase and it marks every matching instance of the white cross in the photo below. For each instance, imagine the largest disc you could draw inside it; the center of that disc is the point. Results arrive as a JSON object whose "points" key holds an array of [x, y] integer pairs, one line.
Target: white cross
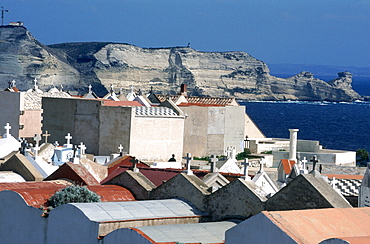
{"points": [[82, 148], [90, 87], [262, 162], [188, 162], [7, 127], [68, 137], [36, 87], [37, 139], [213, 161], [246, 165]]}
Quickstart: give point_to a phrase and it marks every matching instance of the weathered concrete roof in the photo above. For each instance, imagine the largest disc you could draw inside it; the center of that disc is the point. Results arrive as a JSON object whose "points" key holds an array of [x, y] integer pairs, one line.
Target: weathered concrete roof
{"points": [[151, 209], [220, 101], [212, 232], [9, 176], [313, 226]]}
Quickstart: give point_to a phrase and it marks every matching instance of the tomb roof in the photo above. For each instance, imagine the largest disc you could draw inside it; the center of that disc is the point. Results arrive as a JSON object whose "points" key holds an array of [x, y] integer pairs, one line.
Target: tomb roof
{"points": [[38, 193], [137, 210], [221, 101], [323, 223], [10, 176], [349, 177], [122, 103], [74, 172], [154, 111], [212, 232], [287, 165]]}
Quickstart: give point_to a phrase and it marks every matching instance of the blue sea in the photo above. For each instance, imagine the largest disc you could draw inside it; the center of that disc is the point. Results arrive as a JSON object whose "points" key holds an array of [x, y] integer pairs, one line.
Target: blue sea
{"points": [[341, 126]]}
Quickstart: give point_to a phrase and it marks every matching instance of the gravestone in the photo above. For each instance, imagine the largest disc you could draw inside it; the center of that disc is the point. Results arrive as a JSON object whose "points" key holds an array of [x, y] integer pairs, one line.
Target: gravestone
{"points": [[213, 160]]}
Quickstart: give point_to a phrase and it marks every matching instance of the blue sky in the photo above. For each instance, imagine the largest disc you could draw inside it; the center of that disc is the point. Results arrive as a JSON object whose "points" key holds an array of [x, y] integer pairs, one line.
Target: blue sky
{"points": [[324, 32]]}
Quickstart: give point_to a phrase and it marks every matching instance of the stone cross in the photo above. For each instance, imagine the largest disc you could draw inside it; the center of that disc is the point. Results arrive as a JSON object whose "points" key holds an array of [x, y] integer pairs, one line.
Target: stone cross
{"points": [[132, 89], [262, 162], [213, 160], [134, 162], [90, 87], [188, 162], [46, 135], [37, 139], [82, 148], [304, 161], [68, 137], [35, 86], [61, 88], [246, 165], [314, 162], [56, 143], [7, 127], [120, 148], [112, 88]]}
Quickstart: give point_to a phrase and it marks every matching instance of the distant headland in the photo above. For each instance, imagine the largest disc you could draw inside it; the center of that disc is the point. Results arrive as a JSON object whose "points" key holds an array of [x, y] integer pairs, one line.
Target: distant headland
{"points": [[224, 74]]}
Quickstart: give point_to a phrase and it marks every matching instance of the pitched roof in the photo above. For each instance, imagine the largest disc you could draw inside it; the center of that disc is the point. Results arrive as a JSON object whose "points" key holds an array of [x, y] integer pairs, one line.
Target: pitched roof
{"points": [[313, 226], [74, 172], [154, 111], [287, 165], [123, 161], [212, 232], [220, 101]]}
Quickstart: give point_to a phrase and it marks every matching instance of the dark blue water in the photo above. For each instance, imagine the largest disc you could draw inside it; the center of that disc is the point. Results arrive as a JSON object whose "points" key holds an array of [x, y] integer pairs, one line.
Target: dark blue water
{"points": [[342, 126]]}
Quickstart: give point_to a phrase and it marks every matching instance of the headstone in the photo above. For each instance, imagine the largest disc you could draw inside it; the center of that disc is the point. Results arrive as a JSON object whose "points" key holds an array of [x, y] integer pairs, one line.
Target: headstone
{"points": [[188, 162], [37, 139], [46, 135], [68, 137], [246, 165], [213, 160], [7, 128]]}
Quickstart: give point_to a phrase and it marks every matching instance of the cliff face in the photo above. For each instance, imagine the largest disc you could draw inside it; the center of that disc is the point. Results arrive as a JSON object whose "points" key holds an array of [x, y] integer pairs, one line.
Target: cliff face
{"points": [[76, 65]]}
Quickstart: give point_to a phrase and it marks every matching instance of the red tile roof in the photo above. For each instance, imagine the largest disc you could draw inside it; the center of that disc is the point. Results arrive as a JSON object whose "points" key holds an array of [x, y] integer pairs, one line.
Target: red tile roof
{"points": [[287, 165], [349, 177], [316, 225], [74, 172], [157, 176], [121, 103], [124, 161], [37, 194]]}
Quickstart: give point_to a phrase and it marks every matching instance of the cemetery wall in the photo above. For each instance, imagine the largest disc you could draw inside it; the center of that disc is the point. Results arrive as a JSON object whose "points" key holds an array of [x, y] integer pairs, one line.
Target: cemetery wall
{"points": [[157, 138], [31, 119], [11, 101], [114, 129]]}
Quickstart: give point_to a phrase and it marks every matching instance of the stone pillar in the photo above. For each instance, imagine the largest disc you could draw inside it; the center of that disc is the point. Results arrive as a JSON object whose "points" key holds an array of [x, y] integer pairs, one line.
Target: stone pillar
{"points": [[293, 144]]}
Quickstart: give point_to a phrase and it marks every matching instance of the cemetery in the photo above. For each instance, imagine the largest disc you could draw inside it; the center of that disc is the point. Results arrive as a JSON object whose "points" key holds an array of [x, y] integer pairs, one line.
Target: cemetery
{"points": [[137, 153]]}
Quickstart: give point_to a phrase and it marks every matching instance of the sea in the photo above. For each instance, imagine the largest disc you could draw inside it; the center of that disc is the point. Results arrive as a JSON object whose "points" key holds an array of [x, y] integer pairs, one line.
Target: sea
{"points": [[340, 126]]}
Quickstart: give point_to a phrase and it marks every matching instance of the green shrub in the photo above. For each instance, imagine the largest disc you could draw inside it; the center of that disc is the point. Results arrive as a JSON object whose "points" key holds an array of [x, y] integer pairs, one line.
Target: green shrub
{"points": [[72, 194], [244, 154]]}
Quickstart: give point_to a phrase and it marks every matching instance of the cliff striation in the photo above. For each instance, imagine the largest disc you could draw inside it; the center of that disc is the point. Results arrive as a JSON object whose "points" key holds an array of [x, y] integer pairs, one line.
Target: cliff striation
{"points": [[76, 65]]}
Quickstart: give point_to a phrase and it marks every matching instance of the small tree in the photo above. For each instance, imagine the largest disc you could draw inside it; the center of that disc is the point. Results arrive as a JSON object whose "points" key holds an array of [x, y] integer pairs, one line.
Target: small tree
{"points": [[362, 157], [72, 194]]}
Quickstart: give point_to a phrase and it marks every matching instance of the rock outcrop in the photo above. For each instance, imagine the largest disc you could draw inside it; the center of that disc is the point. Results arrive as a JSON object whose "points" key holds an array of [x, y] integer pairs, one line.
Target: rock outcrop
{"points": [[76, 65]]}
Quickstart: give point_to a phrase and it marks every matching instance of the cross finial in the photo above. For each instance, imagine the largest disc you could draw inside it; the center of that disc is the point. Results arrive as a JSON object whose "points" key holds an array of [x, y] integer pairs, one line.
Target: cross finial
{"points": [[35, 84], [7, 127], [90, 87], [68, 137], [111, 88], [46, 135], [134, 162], [213, 160], [132, 89], [188, 162], [82, 148], [314, 162], [246, 165], [37, 139], [262, 162], [11, 84], [120, 148]]}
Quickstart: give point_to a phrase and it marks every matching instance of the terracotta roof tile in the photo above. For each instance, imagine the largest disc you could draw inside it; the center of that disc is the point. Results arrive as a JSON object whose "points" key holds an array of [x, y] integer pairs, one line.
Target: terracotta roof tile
{"points": [[74, 172], [287, 165], [349, 177], [122, 103], [36, 195]]}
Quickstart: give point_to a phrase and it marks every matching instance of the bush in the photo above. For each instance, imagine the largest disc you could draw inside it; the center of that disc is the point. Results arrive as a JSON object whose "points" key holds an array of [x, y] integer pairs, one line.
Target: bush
{"points": [[72, 194], [362, 157], [243, 155]]}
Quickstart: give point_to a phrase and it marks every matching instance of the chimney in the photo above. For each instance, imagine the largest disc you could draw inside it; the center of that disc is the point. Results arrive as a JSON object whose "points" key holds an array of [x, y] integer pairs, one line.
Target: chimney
{"points": [[183, 90], [293, 144]]}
